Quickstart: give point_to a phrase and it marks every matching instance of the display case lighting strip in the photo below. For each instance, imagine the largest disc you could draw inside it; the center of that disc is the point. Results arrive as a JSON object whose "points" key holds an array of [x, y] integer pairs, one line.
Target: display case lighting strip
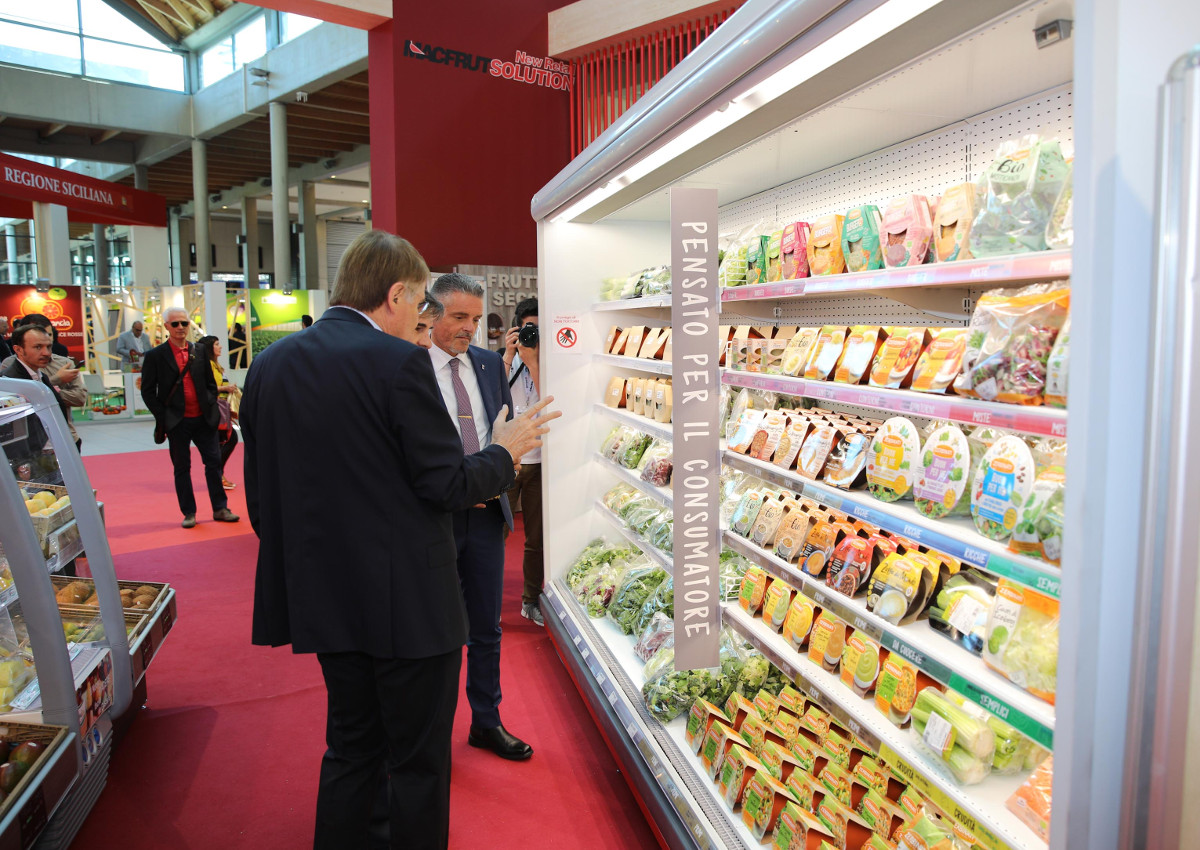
{"points": [[858, 35]]}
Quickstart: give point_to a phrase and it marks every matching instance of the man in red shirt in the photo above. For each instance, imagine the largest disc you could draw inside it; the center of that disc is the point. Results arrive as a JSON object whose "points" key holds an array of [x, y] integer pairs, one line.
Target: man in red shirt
{"points": [[179, 388]]}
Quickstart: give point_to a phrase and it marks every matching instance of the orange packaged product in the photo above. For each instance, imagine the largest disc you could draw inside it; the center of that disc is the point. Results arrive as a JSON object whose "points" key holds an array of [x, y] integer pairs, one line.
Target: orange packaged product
{"points": [[941, 361], [1031, 802], [896, 358], [825, 246]]}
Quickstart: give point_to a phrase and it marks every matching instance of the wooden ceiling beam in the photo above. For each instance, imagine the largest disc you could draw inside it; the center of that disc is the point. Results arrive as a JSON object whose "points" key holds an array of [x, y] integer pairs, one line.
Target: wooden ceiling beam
{"points": [[50, 129], [202, 9], [161, 19], [184, 14], [101, 138]]}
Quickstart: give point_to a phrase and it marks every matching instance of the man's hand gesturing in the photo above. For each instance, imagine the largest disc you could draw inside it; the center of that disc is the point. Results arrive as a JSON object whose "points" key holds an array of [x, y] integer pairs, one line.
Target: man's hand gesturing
{"points": [[523, 433]]}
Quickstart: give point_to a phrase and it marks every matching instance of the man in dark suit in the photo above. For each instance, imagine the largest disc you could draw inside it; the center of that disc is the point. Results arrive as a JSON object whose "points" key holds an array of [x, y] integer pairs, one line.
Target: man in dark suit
{"points": [[32, 345], [356, 562], [474, 387], [179, 388]]}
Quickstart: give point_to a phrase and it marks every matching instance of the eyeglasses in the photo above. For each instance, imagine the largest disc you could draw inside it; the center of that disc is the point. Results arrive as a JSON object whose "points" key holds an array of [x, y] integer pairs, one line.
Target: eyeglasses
{"points": [[183, 324]]}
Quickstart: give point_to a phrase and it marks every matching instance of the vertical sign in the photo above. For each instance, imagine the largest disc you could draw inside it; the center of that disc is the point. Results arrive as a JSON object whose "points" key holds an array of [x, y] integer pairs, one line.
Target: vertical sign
{"points": [[696, 452]]}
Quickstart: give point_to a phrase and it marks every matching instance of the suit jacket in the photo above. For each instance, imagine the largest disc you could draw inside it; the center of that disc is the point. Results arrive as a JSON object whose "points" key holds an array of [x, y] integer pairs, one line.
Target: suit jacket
{"points": [[160, 370], [353, 468], [128, 342], [493, 386], [37, 433]]}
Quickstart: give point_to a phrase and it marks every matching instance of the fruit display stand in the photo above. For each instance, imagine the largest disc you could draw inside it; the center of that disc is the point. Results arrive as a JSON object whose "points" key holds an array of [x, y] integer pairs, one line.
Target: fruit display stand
{"points": [[85, 683], [25, 808], [792, 110]]}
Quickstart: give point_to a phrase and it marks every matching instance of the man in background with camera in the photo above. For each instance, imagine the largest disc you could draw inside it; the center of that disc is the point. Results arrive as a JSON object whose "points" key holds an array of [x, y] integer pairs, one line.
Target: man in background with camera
{"points": [[474, 388], [521, 364]]}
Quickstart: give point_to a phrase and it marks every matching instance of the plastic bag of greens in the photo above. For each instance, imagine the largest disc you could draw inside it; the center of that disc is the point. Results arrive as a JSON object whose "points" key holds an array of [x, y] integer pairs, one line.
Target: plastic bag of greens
{"points": [[656, 281], [1020, 188], [633, 507], [643, 516], [752, 674], [635, 588], [619, 496], [731, 568], [595, 590], [616, 440], [596, 553], [631, 452], [776, 681], [661, 601], [660, 534], [659, 633]]}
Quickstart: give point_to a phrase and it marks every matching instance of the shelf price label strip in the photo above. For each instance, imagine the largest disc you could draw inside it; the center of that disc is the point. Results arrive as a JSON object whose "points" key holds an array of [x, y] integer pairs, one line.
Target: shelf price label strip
{"points": [[1043, 580], [1041, 421], [939, 798], [892, 642]]}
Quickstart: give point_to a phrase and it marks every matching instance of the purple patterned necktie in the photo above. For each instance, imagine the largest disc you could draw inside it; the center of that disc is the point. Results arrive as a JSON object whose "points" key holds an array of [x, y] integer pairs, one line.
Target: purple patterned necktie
{"points": [[466, 422]]}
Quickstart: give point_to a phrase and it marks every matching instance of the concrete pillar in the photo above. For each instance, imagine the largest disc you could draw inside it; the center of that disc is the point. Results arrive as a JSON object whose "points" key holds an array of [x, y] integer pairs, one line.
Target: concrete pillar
{"points": [[250, 246], [141, 177], [216, 317], [179, 267], [149, 255], [200, 201], [52, 243], [100, 258], [280, 216], [309, 274], [10, 247]]}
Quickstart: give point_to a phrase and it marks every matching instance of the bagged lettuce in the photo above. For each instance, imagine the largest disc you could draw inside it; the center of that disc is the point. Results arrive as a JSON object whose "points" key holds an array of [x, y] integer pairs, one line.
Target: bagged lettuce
{"points": [[633, 591], [1020, 189]]}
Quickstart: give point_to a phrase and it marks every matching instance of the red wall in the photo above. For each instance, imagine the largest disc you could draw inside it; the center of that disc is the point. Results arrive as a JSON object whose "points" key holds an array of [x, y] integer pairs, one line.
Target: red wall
{"points": [[456, 155]]}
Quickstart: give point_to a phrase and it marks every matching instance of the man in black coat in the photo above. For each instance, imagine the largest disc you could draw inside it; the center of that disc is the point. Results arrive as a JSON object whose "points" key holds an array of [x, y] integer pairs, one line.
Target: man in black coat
{"points": [[32, 345], [180, 389], [356, 558]]}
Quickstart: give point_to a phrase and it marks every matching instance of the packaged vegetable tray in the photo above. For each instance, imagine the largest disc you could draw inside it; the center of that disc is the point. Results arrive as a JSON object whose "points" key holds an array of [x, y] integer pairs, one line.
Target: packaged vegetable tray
{"points": [[1001, 487], [1022, 638]]}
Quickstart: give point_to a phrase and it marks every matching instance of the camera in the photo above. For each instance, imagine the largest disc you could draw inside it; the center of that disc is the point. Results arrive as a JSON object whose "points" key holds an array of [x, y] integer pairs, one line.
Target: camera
{"points": [[527, 336]]}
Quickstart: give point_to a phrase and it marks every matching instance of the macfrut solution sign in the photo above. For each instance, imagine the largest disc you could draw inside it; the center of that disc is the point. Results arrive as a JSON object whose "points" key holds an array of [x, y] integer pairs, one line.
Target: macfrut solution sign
{"points": [[696, 452]]}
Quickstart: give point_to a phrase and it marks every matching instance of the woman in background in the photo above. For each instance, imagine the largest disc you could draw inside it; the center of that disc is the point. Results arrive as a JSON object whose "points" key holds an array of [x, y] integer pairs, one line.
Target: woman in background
{"points": [[211, 347]]}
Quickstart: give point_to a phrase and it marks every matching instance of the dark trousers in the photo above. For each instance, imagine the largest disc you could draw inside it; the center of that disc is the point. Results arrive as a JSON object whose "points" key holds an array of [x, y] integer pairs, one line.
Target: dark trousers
{"points": [[529, 489], [479, 537], [229, 441], [193, 429], [394, 714]]}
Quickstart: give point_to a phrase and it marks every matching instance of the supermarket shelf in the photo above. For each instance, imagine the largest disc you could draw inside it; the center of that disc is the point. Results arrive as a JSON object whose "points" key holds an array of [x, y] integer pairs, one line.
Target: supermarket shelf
{"points": [[641, 423], [602, 659], [979, 808], [15, 412], [1043, 265], [650, 301], [64, 544], [149, 640], [638, 364], [944, 660], [631, 477], [652, 552], [954, 536], [28, 815], [1042, 421]]}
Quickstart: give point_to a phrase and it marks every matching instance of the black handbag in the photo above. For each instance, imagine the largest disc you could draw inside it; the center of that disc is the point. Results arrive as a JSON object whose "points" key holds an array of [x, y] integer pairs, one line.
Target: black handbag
{"points": [[160, 430]]}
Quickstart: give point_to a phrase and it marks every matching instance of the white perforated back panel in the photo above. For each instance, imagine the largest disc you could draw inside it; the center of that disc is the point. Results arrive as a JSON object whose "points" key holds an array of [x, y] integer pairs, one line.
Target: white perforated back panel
{"points": [[922, 166]]}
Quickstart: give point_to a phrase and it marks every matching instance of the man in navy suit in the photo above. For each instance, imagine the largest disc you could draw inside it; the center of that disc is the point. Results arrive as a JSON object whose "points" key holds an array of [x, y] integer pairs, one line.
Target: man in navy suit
{"points": [[356, 562], [474, 387]]}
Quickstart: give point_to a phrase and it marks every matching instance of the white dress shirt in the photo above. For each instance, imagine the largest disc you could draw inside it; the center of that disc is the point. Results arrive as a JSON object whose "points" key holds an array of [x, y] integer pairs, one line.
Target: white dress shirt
{"points": [[524, 396], [466, 372]]}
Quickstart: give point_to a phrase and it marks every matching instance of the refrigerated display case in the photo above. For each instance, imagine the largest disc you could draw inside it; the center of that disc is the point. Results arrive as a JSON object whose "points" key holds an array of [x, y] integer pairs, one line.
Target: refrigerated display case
{"points": [[792, 111], [74, 650]]}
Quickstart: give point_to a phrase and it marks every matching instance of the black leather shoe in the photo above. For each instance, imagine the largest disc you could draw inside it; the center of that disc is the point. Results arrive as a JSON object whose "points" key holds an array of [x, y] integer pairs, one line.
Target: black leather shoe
{"points": [[501, 742]]}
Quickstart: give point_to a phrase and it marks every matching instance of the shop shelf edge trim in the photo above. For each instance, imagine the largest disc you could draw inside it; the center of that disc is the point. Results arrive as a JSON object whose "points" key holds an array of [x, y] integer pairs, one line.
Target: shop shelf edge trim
{"points": [[641, 364], [631, 477], [978, 808], [1039, 265], [943, 535], [661, 766], [938, 657], [661, 430], [1041, 421], [652, 301]]}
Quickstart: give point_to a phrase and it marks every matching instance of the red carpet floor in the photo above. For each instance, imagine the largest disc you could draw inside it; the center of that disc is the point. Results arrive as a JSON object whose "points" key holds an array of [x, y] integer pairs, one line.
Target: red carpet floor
{"points": [[226, 751]]}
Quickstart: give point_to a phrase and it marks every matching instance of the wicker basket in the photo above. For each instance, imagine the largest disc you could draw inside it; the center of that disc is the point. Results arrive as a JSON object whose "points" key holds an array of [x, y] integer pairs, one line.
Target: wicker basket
{"points": [[19, 733], [60, 582], [135, 621]]}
